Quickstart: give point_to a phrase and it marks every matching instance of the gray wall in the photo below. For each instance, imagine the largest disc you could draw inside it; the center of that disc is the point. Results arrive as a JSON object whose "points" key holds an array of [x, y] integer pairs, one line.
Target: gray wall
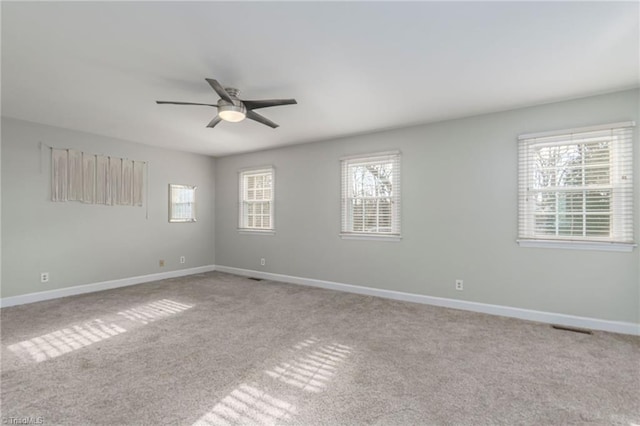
{"points": [[459, 217], [81, 243]]}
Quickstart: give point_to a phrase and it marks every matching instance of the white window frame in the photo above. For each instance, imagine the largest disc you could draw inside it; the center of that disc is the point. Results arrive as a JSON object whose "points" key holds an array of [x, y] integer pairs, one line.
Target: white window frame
{"points": [[620, 186], [182, 203], [243, 203], [347, 222]]}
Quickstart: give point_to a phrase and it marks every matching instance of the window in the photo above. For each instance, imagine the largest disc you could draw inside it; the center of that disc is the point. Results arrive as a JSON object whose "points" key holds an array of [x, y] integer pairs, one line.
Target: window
{"points": [[577, 186], [256, 199], [182, 203], [371, 196]]}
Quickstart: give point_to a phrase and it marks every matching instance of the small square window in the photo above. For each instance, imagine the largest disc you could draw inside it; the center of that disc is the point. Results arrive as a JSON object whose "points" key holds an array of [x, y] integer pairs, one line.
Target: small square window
{"points": [[182, 203]]}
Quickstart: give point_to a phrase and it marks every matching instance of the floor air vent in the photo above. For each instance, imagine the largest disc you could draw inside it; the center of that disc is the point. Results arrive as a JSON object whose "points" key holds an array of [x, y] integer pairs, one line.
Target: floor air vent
{"points": [[574, 329], [255, 279]]}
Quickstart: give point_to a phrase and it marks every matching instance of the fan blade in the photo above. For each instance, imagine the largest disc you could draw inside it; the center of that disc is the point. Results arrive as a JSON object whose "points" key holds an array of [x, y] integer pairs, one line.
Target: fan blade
{"points": [[184, 103], [264, 103], [260, 119], [214, 122], [219, 89]]}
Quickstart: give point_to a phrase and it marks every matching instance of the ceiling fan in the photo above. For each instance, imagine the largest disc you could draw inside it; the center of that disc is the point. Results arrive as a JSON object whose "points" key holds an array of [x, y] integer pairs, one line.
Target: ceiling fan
{"points": [[233, 109]]}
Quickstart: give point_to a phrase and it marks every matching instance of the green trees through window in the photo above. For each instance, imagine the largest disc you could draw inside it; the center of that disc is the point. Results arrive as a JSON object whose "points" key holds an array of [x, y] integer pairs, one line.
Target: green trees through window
{"points": [[577, 185], [371, 195]]}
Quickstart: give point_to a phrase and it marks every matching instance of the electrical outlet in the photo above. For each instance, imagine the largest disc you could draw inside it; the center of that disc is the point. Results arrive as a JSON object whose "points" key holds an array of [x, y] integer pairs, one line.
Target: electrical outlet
{"points": [[459, 285], [44, 277], [161, 262], [263, 262], [182, 259]]}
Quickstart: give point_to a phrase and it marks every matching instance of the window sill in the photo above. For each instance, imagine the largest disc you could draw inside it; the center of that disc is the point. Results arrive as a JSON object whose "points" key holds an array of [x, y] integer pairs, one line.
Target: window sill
{"points": [[373, 237], [244, 231], [578, 245]]}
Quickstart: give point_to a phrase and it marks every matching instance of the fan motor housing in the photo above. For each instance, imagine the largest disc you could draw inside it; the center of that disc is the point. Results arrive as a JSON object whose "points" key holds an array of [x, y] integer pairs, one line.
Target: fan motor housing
{"points": [[235, 111]]}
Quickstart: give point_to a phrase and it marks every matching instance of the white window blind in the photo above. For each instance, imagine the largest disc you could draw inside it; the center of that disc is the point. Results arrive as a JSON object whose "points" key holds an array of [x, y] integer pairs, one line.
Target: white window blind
{"points": [[577, 185], [371, 195], [256, 199], [182, 203]]}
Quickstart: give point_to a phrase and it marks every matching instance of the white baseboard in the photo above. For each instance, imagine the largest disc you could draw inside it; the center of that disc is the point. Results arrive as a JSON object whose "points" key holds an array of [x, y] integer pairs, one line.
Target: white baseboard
{"points": [[104, 285], [506, 311], [525, 314]]}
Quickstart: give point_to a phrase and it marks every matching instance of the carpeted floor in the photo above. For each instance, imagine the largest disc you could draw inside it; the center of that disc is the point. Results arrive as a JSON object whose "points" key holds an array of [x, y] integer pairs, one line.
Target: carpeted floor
{"points": [[218, 349]]}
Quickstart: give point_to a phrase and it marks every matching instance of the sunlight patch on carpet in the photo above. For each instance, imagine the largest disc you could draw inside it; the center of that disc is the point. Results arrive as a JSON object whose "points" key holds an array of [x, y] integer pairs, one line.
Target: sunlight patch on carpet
{"points": [[69, 339], [63, 341], [312, 369], [247, 405], [154, 311]]}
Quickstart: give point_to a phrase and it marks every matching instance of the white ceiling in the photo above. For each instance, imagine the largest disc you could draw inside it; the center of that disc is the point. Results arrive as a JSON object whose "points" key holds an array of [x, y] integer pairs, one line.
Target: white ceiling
{"points": [[353, 67]]}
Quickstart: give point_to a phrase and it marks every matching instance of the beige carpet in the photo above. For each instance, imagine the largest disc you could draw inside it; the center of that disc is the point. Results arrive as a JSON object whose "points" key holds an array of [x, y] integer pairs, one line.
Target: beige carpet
{"points": [[217, 349]]}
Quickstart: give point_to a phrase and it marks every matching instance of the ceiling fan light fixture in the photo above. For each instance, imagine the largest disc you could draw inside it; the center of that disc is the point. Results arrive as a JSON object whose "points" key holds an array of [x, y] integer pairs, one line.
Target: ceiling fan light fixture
{"points": [[232, 113], [233, 109]]}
